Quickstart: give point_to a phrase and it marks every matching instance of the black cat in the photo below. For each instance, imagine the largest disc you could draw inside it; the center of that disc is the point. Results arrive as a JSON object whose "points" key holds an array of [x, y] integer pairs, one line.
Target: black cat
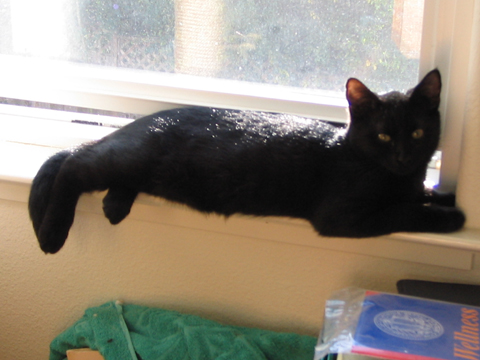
{"points": [[363, 181]]}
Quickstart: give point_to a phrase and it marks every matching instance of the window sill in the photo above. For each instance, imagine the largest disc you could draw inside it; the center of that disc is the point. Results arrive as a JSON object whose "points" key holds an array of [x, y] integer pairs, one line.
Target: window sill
{"points": [[21, 160]]}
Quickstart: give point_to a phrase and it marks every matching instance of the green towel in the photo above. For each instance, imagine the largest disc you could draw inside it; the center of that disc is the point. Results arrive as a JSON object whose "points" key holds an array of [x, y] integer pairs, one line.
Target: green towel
{"points": [[132, 332]]}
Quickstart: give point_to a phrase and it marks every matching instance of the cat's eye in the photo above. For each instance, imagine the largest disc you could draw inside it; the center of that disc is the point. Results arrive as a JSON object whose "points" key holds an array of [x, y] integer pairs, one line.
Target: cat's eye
{"points": [[417, 134], [384, 137]]}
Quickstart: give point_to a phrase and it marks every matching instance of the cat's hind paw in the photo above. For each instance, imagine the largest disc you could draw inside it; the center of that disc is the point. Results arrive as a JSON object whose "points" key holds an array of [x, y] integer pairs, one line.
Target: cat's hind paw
{"points": [[51, 239]]}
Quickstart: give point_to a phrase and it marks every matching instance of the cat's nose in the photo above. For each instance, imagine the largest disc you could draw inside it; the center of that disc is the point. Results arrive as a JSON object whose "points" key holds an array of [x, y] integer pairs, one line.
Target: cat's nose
{"points": [[403, 159]]}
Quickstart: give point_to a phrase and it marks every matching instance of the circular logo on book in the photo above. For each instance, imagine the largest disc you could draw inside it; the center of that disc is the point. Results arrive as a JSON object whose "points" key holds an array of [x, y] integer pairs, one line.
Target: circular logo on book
{"points": [[408, 325]]}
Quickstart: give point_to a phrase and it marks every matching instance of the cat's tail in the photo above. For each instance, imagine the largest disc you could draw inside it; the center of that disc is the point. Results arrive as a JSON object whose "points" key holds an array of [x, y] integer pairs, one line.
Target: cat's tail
{"points": [[42, 187]]}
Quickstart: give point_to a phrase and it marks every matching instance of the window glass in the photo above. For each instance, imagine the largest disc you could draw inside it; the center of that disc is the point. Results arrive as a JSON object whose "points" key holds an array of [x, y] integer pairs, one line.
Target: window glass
{"points": [[314, 44]]}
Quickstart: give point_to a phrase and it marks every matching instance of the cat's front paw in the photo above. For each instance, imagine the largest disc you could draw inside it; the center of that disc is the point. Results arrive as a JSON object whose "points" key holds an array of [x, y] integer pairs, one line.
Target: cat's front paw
{"points": [[115, 214], [448, 219], [117, 204]]}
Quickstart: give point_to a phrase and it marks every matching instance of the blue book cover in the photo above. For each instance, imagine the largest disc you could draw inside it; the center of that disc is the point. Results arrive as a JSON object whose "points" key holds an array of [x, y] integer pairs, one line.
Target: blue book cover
{"points": [[402, 327]]}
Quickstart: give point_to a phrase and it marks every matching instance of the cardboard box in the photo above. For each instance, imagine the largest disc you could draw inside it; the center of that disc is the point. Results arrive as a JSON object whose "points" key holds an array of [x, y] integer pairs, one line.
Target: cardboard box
{"points": [[84, 354]]}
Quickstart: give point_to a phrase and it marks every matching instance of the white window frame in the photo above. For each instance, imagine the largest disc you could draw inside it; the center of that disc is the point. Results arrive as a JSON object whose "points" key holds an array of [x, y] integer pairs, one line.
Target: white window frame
{"points": [[145, 92], [446, 45], [447, 30]]}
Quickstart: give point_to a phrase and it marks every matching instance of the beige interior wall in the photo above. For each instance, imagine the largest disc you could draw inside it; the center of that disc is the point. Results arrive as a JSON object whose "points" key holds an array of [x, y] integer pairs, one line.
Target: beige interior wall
{"points": [[233, 279]]}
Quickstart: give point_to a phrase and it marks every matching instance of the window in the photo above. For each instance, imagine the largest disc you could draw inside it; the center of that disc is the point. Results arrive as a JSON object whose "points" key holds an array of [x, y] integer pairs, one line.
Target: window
{"points": [[308, 44], [287, 55]]}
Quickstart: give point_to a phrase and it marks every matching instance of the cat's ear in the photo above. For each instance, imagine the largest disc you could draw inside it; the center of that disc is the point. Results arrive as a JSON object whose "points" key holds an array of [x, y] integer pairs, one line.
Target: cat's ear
{"points": [[359, 96], [428, 90]]}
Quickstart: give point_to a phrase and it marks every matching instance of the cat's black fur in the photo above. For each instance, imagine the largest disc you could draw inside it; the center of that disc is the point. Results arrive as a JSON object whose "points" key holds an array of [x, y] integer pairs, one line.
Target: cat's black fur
{"points": [[347, 182]]}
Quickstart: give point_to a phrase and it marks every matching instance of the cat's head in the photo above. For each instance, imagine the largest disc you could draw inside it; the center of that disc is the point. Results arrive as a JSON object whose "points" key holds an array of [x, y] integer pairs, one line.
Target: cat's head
{"points": [[398, 131]]}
